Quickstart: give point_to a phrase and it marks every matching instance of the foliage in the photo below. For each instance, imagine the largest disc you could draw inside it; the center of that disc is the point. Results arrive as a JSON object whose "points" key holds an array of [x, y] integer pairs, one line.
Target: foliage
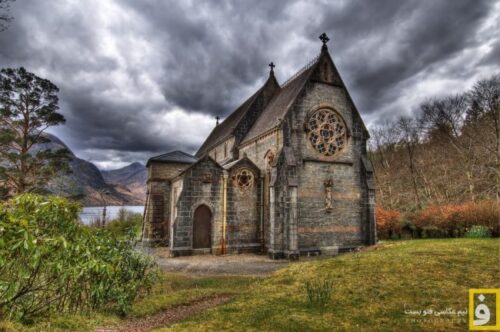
{"points": [[50, 263], [28, 106], [388, 223], [452, 220], [319, 292], [126, 224], [478, 231], [169, 290]]}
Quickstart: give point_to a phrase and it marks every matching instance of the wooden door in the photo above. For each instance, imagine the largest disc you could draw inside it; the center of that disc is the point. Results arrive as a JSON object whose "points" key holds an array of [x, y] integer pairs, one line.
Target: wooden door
{"points": [[202, 227]]}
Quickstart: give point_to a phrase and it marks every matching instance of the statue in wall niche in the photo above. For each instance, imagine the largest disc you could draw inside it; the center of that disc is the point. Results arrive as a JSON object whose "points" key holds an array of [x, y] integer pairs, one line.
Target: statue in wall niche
{"points": [[328, 195], [206, 178]]}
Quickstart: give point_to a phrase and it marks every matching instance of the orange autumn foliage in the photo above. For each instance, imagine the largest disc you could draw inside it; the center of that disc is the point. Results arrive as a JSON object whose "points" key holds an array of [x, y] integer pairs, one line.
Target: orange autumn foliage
{"points": [[388, 223], [448, 220], [455, 219]]}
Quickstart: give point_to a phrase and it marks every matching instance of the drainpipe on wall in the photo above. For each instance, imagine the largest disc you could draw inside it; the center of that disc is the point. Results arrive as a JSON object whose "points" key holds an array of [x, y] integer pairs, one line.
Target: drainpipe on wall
{"points": [[262, 213], [144, 214], [224, 213]]}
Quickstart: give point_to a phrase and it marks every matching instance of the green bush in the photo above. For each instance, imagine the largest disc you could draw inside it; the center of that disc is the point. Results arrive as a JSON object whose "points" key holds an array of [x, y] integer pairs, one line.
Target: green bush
{"points": [[49, 262], [319, 292], [126, 224], [478, 231]]}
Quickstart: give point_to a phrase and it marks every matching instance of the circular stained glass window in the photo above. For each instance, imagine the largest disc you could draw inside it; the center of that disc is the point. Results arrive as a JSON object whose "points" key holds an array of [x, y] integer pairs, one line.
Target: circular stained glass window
{"points": [[326, 132], [244, 179]]}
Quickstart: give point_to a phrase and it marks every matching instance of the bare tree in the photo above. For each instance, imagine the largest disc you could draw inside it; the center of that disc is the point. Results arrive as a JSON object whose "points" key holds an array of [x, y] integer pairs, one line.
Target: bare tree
{"points": [[382, 147], [445, 118], [485, 109], [409, 139]]}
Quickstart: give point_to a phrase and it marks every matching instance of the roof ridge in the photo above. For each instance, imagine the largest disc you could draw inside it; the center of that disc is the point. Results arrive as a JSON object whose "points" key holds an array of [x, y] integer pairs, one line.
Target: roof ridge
{"points": [[301, 70], [185, 153], [226, 128], [288, 94]]}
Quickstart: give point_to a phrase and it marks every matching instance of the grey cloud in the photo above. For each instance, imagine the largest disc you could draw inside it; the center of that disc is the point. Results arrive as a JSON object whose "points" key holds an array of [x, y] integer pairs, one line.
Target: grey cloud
{"points": [[412, 36], [125, 67]]}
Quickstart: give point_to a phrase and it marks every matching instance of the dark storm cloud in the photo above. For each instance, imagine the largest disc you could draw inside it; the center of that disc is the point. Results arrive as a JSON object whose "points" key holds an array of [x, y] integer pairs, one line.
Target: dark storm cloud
{"points": [[139, 78], [387, 42], [212, 50]]}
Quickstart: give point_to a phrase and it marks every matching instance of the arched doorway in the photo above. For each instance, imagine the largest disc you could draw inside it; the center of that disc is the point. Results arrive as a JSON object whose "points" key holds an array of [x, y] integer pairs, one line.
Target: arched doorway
{"points": [[202, 227]]}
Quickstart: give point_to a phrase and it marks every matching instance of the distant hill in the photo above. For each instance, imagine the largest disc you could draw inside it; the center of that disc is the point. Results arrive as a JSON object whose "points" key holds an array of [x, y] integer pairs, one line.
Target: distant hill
{"points": [[86, 182], [133, 177]]}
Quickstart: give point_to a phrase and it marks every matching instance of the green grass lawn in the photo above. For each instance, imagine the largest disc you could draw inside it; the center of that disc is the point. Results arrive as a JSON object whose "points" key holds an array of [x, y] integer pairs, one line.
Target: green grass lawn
{"points": [[371, 290], [171, 290]]}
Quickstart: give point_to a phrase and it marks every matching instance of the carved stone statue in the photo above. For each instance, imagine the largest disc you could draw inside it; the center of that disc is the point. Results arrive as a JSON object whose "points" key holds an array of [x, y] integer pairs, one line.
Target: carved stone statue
{"points": [[328, 195]]}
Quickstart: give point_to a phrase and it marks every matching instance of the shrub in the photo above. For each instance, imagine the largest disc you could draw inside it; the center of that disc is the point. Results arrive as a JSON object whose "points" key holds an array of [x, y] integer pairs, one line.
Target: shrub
{"points": [[388, 223], [452, 220], [319, 292], [478, 231], [126, 224], [49, 262]]}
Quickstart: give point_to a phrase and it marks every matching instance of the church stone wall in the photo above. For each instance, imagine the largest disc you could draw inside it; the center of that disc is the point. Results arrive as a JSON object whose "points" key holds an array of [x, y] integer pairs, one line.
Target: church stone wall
{"points": [[223, 151], [244, 214], [202, 184], [256, 151], [157, 213], [343, 224], [165, 171]]}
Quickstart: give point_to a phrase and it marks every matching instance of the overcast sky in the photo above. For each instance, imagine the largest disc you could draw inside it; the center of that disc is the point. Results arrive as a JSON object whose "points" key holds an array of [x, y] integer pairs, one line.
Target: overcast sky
{"points": [[140, 78]]}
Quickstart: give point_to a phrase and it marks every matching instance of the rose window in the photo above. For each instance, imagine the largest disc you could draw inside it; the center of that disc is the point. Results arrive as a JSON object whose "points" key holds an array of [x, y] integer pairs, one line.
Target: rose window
{"points": [[244, 179], [326, 132]]}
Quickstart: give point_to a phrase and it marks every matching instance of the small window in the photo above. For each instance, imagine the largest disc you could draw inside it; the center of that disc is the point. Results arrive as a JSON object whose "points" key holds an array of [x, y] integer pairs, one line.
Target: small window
{"points": [[325, 72], [157, 208], [244, 179], [269, 157], [225, 150]]}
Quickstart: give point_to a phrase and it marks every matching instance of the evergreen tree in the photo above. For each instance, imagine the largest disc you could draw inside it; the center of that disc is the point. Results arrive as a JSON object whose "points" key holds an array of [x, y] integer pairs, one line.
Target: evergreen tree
{"points": [[28, 106]]}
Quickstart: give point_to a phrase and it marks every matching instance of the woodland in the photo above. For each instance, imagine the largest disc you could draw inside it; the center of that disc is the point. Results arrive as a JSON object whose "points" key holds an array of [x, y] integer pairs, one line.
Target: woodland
{"points": [[437, 173]]}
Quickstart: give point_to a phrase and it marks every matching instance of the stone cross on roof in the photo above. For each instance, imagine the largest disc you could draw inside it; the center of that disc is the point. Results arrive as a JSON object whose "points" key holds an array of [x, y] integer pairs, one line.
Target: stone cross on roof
{"points": [[324, 38], [217, 118], [272, 65]]}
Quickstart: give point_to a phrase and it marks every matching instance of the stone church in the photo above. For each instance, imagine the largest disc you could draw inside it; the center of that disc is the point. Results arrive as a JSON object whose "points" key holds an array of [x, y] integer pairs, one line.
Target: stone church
{"points": [[285, 174]]}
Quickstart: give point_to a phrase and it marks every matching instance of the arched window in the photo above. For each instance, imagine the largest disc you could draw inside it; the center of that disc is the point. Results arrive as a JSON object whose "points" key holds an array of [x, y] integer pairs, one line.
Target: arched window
{"points": [[269, 158]]}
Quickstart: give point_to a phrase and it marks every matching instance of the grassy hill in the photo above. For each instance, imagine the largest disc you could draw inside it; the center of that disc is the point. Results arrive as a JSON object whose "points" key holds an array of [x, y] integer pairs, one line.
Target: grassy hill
{"points": [[371, 291]]}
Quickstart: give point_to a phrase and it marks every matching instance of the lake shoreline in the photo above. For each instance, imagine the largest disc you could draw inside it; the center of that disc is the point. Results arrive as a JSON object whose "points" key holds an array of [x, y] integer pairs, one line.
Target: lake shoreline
{"points": [[90, 214]]}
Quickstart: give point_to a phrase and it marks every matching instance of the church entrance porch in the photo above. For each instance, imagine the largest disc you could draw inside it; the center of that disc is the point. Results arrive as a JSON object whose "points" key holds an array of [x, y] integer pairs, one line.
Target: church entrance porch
{"points": [[202, 226]]}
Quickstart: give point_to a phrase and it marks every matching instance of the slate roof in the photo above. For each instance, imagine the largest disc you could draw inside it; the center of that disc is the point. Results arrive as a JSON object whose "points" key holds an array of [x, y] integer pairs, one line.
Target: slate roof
{"points": [[280, 104], [174, 157], [226, 127]]}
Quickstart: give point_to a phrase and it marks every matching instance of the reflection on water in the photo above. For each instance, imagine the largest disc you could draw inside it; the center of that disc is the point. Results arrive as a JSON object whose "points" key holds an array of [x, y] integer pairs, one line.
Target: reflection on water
{"points": [[93, 213]]}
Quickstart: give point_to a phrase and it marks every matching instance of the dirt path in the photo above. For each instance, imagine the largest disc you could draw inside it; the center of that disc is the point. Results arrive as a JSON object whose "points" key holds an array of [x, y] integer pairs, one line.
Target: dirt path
{"points": [[246, 264], [168, 317]]}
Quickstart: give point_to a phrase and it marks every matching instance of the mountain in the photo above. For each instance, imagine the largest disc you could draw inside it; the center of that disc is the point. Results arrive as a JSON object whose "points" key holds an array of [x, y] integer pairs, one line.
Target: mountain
{"points": [[86, 183], [133, 177]]}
